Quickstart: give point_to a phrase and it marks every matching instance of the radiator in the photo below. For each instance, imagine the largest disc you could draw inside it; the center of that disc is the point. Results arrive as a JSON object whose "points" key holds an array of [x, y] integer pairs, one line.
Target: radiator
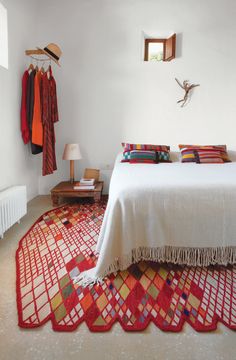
{"points": [[13, 206]]}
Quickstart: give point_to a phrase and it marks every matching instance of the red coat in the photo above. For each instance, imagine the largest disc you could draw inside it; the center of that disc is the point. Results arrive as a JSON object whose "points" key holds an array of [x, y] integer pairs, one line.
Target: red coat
{"points": [[24, 121], [49, 117]]}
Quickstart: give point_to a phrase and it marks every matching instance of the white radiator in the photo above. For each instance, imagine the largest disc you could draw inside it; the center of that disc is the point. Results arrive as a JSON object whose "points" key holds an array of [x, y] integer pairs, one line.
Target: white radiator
{"points": [[13, 206]]}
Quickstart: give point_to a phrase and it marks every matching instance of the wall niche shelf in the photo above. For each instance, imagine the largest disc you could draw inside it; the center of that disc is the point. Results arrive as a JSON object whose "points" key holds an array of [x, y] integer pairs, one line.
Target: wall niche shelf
{"points": [[160, 49]]}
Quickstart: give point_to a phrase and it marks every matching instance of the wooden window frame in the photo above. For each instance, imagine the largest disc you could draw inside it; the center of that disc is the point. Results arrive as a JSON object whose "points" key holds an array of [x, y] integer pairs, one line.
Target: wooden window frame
{"points": [[170, 46], [171, 40]]}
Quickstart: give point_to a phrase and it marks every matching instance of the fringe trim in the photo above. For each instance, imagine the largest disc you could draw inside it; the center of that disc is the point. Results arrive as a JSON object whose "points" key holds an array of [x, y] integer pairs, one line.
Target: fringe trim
{"points": [[170, 254]]}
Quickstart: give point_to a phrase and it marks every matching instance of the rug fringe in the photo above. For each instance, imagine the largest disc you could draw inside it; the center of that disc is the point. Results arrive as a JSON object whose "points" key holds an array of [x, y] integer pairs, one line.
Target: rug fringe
{"points": [[169, 254], [86, 280]]}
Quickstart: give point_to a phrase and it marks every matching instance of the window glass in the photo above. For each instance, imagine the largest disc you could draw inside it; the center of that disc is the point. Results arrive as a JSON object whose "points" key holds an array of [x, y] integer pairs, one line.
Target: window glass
{"points": [[155, 51], [3, 37]]}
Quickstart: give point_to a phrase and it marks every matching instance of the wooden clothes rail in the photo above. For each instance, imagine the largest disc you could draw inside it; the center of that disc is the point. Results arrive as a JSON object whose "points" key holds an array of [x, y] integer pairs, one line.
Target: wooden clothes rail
{"points": [[34, 52], [37, 52], [50, 52]]}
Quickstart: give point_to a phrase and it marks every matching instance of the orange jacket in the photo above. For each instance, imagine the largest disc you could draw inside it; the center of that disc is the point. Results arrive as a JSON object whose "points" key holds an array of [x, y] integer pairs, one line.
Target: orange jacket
{"points": [[37, 126]]}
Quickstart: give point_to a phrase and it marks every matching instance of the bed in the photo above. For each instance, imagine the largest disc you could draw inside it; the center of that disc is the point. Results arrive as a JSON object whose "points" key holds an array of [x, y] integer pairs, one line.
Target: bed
{"points": [[169, 212]]}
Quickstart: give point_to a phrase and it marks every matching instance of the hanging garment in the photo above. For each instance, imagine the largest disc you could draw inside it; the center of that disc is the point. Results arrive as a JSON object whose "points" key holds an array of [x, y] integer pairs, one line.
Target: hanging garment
{"points": [[53, 98], [30, 98], [37, 126], [35, 149], [24, 122], [49, 117]]}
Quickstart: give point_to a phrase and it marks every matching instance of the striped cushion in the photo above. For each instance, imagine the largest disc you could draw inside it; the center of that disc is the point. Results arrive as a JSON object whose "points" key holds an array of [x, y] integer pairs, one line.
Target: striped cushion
{"points": [[129, 147], [208, 157], [163, 151], [187, 155], [143, 156], [204, 153]]}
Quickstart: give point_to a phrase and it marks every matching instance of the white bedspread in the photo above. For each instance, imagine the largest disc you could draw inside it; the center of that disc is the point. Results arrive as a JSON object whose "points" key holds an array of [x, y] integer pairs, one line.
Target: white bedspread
{"points": [[183, 213]]}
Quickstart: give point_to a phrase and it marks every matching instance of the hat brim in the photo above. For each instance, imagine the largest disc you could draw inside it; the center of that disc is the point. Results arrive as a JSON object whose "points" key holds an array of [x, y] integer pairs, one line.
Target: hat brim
{"points": [[51, 57]]}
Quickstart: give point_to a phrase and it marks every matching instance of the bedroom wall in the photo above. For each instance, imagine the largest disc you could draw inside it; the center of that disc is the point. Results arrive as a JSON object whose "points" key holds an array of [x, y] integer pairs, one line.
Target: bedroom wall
{"points": [[107, 94], [17, 165]]}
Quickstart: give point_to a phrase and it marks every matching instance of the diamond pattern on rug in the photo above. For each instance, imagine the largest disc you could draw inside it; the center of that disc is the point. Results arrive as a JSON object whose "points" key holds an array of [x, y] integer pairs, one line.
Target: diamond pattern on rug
{"points": [[61, 244]]}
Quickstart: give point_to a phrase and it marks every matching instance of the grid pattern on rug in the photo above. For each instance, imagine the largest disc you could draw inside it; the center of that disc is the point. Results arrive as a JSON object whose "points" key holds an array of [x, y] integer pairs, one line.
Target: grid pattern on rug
{"points": [[61, 244]]}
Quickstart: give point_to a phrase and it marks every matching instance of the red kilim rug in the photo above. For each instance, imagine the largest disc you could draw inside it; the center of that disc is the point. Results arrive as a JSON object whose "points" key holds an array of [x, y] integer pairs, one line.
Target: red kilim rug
{"points": [[61, 244]]}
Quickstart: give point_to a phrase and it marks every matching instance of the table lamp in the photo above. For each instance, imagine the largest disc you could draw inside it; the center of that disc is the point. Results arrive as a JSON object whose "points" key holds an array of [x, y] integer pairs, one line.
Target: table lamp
{"points": [[72, 152]]}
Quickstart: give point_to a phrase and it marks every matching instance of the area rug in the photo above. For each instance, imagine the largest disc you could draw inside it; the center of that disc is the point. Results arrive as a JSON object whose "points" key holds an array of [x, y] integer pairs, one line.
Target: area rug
{"points": [[61, 244]]}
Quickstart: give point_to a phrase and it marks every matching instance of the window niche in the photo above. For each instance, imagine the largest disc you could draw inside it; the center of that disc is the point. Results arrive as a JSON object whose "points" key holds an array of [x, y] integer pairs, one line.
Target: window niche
{"points": [[160, 49]]}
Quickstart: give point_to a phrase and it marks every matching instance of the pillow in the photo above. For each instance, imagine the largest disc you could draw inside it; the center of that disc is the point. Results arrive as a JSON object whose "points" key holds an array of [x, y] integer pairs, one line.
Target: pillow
{"points": [[208, 157], [143, 156], [189, 153], [163, 151], [129, 147]]}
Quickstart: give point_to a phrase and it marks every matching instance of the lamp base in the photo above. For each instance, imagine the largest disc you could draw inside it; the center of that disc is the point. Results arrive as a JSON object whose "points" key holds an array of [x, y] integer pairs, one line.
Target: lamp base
{"points": [[72, 171]]}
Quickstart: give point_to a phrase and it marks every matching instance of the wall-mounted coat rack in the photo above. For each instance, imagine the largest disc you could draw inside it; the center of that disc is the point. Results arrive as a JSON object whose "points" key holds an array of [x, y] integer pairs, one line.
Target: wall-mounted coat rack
{"points": [[52, 51]]}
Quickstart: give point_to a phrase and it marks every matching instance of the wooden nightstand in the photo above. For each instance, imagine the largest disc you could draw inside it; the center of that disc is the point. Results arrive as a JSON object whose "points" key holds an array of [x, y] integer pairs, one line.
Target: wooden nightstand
{"points": [[66, 189]]}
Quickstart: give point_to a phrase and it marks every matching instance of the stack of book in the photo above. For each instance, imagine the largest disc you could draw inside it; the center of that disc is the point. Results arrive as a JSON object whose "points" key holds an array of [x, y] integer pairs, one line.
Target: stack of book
{"points": [[85, 184]]}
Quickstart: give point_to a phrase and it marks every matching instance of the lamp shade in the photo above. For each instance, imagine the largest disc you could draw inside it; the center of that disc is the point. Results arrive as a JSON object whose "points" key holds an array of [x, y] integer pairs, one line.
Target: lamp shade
{"points": [[72, 152]]}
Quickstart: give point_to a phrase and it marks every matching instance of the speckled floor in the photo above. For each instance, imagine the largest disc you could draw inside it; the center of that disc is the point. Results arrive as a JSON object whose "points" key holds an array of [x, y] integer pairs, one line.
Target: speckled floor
{"points": [[43, 343]]}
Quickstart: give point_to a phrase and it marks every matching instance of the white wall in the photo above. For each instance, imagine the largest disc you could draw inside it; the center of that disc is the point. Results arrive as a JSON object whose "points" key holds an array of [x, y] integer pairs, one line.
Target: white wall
{"points": [[107, 94], [17, 166]]}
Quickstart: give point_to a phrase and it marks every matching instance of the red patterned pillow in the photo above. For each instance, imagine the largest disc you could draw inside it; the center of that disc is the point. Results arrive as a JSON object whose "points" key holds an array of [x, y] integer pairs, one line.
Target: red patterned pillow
{"points": [[204, 153], [163, 151]]}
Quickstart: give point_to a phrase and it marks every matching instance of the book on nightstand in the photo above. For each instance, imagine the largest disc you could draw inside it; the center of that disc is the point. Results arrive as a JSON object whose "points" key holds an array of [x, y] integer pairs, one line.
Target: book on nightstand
{"points": [[84, 181], [85, 184]]}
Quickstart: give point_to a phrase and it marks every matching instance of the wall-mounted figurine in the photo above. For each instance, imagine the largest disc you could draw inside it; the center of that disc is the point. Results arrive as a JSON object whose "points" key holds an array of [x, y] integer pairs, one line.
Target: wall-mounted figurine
{"points": [[186, 86]]}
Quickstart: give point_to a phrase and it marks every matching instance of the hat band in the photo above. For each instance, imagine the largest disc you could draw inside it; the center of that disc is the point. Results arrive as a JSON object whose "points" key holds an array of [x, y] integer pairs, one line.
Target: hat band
{"points": [[51, 53]]}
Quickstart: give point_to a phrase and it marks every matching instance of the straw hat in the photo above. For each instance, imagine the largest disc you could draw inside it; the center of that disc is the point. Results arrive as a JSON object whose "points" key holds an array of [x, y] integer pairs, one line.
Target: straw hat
{"points": [[53, 51]]}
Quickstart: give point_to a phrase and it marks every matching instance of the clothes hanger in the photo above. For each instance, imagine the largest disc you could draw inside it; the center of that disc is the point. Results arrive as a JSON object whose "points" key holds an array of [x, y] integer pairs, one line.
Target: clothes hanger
{"points": [[49, 66], [36, 67], [42, 68], [49, 69], [31, 67]]}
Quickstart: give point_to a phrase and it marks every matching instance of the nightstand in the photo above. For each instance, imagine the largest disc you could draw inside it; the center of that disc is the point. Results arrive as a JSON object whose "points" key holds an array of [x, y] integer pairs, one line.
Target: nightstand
{"points": [[66, 189]]}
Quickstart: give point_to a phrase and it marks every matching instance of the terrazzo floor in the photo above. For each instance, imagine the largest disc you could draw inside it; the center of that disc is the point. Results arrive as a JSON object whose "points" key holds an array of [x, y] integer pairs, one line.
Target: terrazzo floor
{"points": [[45, 344]]}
